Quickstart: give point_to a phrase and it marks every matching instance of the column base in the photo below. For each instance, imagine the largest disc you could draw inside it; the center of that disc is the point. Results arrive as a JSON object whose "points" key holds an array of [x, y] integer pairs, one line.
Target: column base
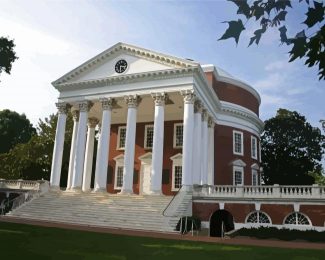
{"points": [[99, 190], [187, 188], [55, 188], [126, 192], [155, 193], [75, 189]]}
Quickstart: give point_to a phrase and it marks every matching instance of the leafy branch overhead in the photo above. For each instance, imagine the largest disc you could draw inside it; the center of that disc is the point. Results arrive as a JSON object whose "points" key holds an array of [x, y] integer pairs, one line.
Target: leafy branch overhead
{"points": [[7, 54], [273, 13]]}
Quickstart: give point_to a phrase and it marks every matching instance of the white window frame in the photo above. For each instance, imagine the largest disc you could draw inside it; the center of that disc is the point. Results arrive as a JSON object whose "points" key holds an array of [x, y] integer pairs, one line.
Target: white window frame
{"points": [[174, 137], [119, 163], [254, 149], [146, 135], [118, 138], [234, 143], [177, 161], [255, 172], [238, 169], [260, 151]]}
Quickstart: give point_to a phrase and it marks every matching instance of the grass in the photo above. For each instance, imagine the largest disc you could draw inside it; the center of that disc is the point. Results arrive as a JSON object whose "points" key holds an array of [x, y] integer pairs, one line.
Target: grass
{"points": [[18, 241]]}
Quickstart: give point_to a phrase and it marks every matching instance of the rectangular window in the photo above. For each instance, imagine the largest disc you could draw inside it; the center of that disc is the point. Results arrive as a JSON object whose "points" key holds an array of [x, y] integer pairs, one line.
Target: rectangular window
{"points": [[254, 147], [238, 176], [119, 177], [177, 177], [178, 135], [148, 136], [238, 143], [254, 178], [121, 137]]}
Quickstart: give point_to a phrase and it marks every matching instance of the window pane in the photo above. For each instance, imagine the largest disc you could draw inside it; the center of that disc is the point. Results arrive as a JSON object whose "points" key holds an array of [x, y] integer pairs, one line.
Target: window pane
{"points": [[254, 178], [254, 147], [119, 177], [178, 177], [179, 135], [238, 148], [122, 137], [149, 135], [238, 177]]}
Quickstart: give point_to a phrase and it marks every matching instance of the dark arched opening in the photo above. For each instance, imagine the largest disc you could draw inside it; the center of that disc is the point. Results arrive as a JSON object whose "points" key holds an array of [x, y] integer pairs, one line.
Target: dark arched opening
{"points": [[221, 221]]}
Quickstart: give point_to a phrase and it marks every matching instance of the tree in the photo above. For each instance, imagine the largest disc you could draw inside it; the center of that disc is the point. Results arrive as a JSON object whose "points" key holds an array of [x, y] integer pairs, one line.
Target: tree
{"points": [[308, 43], [14, 129], [291, 148], [7, 54], [33, 160]]}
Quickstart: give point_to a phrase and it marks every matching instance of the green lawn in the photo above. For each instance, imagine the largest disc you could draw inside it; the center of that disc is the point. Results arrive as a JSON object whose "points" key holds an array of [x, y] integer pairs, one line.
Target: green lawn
{"points": [[30, 242]]}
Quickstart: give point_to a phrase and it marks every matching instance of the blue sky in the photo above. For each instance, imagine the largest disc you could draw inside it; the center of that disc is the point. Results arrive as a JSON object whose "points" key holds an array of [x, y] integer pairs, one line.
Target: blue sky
{"points": [[53, 37]]}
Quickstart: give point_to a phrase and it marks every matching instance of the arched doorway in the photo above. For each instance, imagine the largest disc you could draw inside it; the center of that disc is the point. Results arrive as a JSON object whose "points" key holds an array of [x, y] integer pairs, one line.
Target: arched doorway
{"points": [[221, 221]]}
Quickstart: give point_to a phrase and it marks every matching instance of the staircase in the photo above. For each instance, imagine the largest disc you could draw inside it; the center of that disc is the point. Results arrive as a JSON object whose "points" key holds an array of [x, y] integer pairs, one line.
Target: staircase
{"points": [[100, 210]]}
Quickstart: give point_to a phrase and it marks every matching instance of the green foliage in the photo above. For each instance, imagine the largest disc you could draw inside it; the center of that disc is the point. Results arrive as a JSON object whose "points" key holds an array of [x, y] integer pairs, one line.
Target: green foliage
{"points": [[234, 30], [272, 13], [7, 54], [282, 234], [291, 148], [33, 160], [14, 129], [318, 177]]}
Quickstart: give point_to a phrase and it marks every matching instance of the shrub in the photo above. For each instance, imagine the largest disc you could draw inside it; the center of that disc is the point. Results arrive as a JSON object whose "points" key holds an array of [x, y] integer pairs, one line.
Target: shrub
{"points": [[282, 234], [187, 224]]}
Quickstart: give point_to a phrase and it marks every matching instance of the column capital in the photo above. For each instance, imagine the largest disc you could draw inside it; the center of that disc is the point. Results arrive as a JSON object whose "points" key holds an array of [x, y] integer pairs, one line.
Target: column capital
{"points": [[197, 106], [84, 106], [75, 115], [159, 98], [188, 95], [132, 100], [92, 122], [62, 107], [210, 122], [204, 115], [107, 103]]}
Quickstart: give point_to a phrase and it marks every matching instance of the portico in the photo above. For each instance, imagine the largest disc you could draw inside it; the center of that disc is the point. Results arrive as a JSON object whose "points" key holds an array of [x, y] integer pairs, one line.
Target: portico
{"points": [[102, 113]]}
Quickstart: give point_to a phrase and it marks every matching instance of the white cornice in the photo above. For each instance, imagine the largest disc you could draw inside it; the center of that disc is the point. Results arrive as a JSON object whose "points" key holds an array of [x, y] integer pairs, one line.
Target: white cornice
{"points": [[231, 80], [128, 78], [130, 49]]}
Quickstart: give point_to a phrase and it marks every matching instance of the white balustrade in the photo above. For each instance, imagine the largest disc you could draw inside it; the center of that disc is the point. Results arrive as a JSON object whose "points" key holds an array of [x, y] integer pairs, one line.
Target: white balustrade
{"points": [[260, 192]]}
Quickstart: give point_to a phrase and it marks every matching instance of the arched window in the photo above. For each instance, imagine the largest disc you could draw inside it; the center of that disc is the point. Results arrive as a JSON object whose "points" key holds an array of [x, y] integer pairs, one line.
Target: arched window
{"points": [[297, 218], [258, 217]]}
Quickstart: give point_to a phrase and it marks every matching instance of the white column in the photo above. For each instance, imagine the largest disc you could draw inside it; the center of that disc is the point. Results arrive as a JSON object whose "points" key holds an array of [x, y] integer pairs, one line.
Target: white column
{"points": [[158, 143], [103, 146], [58, 146], [132, 101], [211, 152], [204, 151], [197, 140], [188, 122], [84, 107], [92, 122], [75, 115]]}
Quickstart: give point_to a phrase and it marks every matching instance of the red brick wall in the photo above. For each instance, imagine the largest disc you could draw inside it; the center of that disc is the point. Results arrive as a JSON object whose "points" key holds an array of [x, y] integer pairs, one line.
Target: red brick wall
{"points": [[231, 93], [169, 151], [316, 214], [223, 142], [239, 211], [277, 212]]}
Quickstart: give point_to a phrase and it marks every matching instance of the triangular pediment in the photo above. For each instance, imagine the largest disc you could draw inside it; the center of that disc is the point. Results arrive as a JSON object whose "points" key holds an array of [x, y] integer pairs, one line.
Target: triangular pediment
{"points": [[138, 60]]}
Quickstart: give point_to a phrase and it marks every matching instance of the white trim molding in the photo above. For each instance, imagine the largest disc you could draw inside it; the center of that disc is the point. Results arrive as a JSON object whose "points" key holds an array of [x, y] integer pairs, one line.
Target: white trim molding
{"points": [[253, 147], [119, 163], [177, 161]]}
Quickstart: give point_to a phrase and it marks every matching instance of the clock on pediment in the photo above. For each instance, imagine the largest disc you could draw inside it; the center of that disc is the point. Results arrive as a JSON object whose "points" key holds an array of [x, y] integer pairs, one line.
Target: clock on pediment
{"points": [[121, 66]]}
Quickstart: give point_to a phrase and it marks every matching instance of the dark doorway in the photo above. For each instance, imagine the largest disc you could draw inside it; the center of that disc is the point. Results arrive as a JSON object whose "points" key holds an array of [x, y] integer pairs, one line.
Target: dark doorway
{"points": [[221, 221]]}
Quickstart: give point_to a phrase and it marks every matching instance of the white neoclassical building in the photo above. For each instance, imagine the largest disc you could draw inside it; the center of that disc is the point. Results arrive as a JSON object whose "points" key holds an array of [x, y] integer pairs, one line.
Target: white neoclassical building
{"points": [[163, 122]]}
